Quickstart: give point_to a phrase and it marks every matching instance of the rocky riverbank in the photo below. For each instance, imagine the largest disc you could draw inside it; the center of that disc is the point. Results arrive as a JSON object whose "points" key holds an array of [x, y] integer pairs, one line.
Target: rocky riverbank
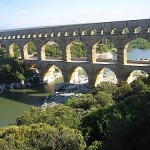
{"points": [[64, 92]]}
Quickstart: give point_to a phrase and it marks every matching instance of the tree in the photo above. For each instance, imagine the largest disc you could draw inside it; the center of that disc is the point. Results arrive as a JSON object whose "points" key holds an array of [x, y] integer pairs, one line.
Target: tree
{"points": [[131, 129], [59, 115], [40, 137], [52, 51], [78, 49]]}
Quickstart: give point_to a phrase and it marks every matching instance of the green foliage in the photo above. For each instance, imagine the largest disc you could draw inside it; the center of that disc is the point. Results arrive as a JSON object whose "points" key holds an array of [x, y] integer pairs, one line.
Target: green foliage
{"points": [[52, 51], [139, 87], [58, 115], [78, 49], [17, 51], [96, 145], [95, 124], [131, 130], [103, 99], [108, 46], [122, 91], [11, 70], [139, 43], [40, 137], [107, 87], [87, 101], [32, 50]]}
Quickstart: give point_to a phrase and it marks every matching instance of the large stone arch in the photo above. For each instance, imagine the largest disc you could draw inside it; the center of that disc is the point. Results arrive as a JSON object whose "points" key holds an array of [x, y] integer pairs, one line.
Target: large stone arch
{"points": [[99, 76]]}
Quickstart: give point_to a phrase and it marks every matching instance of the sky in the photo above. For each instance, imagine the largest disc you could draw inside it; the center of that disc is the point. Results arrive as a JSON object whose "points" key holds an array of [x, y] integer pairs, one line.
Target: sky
{"points": [[16, 14]]}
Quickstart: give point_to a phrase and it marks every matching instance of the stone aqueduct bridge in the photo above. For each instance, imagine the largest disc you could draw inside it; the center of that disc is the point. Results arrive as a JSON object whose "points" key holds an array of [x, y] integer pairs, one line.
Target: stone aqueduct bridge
{"points": [[89, 34]]}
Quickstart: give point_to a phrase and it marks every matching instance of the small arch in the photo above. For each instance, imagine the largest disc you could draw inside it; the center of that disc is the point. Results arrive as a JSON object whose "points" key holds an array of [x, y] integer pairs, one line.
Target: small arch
{"points": [[0, 37], [59, 34], [13, 37], [138, 30], [53, 74], [46, 34], [34, 35], [133, 75], [9, 37], [125, 30], [148, 30], [18, 37], [67, 34], [5, 38], [29, 36], [94, 32], [40, 35], [23, 36], [78, 75], [114, 31], [105, 75], [15, 51], [75, 33], [52, 34], [84, 32], [103, 31]]}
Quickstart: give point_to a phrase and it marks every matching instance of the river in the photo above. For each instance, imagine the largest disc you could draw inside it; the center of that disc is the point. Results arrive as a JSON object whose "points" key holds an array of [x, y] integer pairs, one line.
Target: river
{"points": [[14, 103]]}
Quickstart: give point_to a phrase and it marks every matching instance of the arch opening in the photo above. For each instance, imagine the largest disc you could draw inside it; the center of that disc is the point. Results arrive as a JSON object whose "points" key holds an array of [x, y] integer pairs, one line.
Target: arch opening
{"points": [[78, 76], [51, 51], [114, 31], [104, 50], [137, 51], [15, 51], [105, 75], [138, 29], [76, 51], [125, 30], [30, 51], [53, 75], [136, 74], [94, 32], [84, 32]]}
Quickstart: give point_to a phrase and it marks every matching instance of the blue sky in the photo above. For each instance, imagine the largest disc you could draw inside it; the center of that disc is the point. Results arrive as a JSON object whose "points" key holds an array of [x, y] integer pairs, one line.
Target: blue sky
{"points": [[33, 13]]}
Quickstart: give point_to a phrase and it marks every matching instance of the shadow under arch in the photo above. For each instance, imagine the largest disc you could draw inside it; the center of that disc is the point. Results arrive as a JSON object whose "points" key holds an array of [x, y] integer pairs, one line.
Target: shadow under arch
{"points": [[134, 74], [77, 75], [104, 75], [51, 51], [76, 51]]}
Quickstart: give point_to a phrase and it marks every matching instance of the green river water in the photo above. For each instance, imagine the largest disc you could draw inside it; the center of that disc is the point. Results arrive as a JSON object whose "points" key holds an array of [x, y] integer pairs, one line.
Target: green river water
{"points": [[13, 104]]}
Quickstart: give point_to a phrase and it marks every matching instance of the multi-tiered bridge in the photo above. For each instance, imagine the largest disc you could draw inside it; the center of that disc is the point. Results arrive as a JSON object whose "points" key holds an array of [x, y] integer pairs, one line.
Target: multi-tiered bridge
{"points": [[89, 34]]}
